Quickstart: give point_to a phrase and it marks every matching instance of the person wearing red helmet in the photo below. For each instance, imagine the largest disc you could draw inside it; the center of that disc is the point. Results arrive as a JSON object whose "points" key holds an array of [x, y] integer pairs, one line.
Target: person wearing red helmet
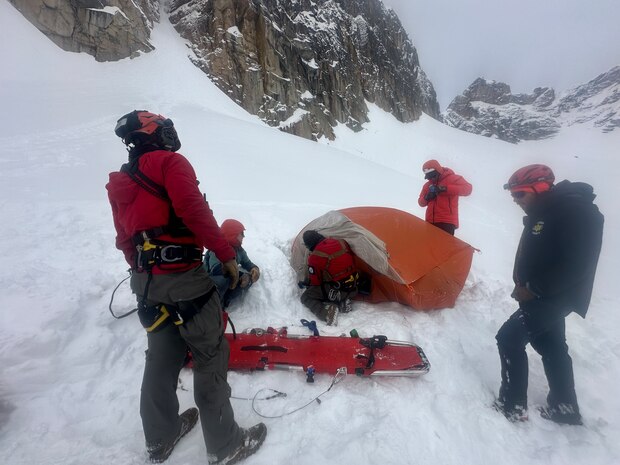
{"points": [[332, 277], [249, 273], [553, 274], [162, 224], [440, 195]]}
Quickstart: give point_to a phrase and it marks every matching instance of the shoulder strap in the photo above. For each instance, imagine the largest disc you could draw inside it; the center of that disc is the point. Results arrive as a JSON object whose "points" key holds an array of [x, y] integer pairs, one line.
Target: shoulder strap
{"points": [[131, 169], [326, 276], [175, 226]]}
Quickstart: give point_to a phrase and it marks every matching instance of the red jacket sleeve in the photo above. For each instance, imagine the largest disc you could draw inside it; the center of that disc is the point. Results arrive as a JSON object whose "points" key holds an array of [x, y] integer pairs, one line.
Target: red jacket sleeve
{"points": [[189, 205], [458, 186], [422, 202]]}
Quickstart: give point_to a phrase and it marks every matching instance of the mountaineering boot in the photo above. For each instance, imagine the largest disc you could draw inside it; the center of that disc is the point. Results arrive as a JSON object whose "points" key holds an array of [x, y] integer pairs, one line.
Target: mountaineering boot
{"points": [[251, 440], [513, 414], [563, 414], [331, 314], [346, 306], [160, 452]]}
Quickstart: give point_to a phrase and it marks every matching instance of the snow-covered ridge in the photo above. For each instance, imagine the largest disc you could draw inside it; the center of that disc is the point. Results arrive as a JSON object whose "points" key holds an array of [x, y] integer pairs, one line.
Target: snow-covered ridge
{"points": [[489, 108]]}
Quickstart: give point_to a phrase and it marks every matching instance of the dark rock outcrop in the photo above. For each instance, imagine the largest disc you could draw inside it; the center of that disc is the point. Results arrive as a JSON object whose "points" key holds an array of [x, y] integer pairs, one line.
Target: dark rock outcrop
{"points": [[490, 109], [307, 65], [107, 29]]}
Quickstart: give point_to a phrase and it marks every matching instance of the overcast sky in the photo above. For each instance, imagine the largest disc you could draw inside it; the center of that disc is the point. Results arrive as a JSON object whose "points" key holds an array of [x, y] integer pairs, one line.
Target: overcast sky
{"points": [[525, 43]]}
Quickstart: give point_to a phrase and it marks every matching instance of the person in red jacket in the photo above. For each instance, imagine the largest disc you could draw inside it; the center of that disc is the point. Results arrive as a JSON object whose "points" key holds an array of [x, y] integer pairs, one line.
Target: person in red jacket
{"points": [[332, 277], [163, 223], [440, 195]]}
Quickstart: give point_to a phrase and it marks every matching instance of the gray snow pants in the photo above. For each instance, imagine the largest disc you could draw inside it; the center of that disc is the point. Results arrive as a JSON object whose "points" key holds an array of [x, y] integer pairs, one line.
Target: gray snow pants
{"points": [[159, 405], [314, 297]]}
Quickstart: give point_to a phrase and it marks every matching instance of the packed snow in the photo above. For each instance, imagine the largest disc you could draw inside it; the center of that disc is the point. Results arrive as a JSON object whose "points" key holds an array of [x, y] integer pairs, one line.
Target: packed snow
{"points": [[70, 384]]}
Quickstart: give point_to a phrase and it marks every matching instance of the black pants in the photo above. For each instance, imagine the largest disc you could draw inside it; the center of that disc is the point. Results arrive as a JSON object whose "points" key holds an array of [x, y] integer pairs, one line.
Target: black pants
{"points": [[447, 227], [541, 325]]}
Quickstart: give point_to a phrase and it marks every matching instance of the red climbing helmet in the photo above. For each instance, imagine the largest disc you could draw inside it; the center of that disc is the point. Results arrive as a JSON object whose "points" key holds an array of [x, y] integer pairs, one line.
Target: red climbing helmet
{"points": [[230, 230], [531, 178]]}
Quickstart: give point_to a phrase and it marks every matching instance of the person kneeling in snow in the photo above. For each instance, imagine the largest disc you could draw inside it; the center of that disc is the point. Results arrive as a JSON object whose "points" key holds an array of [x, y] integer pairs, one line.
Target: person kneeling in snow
{"points": [[232, 230], [332, 277]]}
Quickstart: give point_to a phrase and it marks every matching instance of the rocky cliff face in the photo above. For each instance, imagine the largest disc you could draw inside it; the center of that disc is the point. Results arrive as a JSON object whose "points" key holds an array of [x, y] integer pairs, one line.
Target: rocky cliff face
{"points": [[107, 29], [307, 65], [490, 109]]}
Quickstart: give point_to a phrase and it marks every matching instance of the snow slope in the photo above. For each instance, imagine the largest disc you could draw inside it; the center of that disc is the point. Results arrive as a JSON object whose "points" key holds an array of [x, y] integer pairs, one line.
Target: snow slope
{"points": [[71, 374]]}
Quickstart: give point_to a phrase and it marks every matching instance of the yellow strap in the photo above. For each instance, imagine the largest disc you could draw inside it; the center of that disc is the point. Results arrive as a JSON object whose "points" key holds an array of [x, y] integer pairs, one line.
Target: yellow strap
{"points": [[148, 246], [162, 317]]}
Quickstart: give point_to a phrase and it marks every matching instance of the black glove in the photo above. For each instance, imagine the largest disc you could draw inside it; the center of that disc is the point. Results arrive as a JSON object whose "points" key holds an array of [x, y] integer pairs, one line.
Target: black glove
{"points": [[430, 196], [437, 189], [302, 284]]}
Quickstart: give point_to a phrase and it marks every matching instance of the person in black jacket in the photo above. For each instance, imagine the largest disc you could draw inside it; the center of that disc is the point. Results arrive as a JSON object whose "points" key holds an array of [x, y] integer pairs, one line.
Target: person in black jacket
{"points": [[553, 274]]}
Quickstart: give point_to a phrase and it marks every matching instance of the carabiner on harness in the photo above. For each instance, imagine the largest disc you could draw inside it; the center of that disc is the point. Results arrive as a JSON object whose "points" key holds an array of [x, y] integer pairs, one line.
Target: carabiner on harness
{"points": [[167, 253]]}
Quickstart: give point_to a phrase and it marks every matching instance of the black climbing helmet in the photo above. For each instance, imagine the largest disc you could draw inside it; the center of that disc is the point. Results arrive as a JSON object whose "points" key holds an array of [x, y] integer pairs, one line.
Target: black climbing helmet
{"points": [[141, 127]]}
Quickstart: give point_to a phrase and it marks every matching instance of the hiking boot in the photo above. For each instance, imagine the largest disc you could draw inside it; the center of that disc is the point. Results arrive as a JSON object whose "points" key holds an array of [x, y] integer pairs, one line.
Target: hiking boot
{"points": [[331, 314], [346, 306], [251, 440], [563, 414], [160, 452], [513, 414]]}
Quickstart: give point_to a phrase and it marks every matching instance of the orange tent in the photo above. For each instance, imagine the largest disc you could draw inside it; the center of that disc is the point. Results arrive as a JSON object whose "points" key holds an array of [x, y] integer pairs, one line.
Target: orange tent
{"points": [[410, 261]]}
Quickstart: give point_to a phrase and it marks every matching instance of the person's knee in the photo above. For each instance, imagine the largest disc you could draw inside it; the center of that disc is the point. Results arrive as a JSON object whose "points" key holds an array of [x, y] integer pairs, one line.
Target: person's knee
{"points": [[511, 337], [310, 298], [550, 347]]}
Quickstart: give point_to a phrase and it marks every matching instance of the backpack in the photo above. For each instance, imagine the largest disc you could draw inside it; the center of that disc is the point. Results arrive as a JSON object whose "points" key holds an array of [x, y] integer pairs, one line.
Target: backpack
{"points": [[175, 226], [330, 261]]}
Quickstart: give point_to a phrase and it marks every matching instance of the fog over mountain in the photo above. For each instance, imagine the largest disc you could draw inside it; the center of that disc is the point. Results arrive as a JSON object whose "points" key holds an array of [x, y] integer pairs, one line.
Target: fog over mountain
{"points": [[526, 44]]}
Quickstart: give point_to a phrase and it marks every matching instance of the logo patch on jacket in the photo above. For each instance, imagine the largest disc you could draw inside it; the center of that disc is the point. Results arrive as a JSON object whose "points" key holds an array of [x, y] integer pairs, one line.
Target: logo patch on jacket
{"points": [[311, 269], [538, 228]]}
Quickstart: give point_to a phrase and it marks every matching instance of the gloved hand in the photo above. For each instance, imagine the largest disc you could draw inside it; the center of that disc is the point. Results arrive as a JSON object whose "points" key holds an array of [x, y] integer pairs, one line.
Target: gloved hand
{"points": [[302, 284], [430, 196], [254, 274], [231, 269], [244, 280], [522, 294], [437, 189]]}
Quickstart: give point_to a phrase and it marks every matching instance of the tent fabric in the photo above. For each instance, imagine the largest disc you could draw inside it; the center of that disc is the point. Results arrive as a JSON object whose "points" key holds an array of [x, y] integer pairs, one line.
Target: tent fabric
{"points": [[411, 261]]}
